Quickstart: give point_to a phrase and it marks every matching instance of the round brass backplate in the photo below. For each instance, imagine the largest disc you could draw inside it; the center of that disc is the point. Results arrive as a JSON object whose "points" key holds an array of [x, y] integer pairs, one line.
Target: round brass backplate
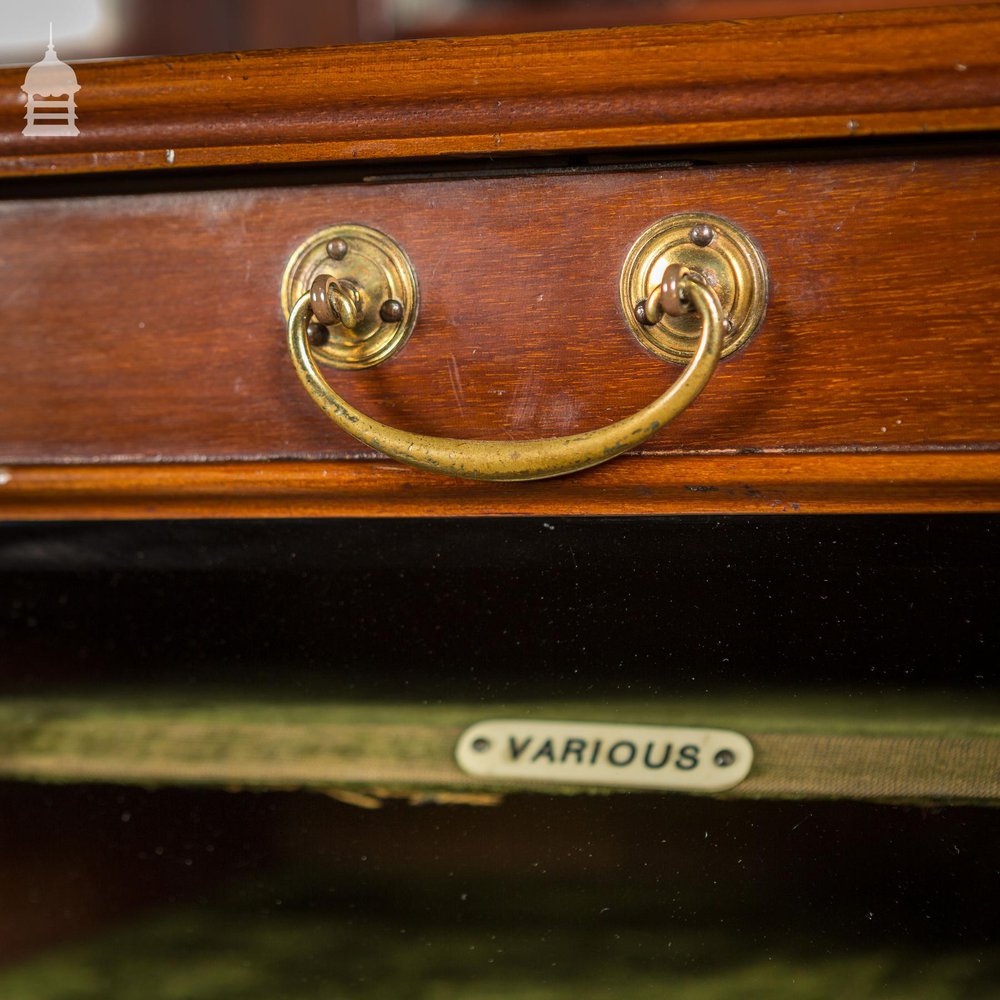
{"points": [[378, 271], [728, 260]]}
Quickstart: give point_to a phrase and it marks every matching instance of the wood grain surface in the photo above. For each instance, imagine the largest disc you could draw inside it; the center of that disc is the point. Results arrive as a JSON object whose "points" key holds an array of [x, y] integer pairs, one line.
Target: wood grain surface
{"points": [[828, 76], [148, 327], [561, 15]]}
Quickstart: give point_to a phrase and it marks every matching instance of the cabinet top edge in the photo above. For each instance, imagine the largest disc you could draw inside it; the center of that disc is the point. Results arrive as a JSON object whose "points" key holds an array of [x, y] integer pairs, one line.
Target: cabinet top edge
{"points": [[820, 77]]}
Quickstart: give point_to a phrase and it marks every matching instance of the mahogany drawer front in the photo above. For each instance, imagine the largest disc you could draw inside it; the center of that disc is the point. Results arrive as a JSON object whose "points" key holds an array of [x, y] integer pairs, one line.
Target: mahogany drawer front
{"points": [[149, 326]]}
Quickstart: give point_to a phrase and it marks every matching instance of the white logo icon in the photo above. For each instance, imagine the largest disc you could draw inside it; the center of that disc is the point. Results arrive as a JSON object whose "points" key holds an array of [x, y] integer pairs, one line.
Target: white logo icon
{"points": [[50, 86]]}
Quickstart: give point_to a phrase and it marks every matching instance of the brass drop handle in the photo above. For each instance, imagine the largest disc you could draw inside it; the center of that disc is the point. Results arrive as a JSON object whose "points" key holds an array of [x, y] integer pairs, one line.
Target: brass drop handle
{"points": [[521, 460], [351, 297]]}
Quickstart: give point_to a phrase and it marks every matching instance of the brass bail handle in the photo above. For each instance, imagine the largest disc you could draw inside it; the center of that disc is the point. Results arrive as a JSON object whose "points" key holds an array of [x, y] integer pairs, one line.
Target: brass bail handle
{"points": [[519, 460], [691, 298]]}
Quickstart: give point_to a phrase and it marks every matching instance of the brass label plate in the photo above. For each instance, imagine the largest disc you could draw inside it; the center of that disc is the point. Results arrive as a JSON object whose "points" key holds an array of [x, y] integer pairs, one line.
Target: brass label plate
{"points": [[612, 755]]}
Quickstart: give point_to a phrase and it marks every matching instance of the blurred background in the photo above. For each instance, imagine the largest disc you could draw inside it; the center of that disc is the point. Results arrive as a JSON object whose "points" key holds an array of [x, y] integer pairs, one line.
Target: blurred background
{"points": [[103, 29]]}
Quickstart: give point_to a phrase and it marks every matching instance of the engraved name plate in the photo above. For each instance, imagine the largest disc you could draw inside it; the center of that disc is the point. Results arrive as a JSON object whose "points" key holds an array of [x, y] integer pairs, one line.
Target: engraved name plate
{"points": [[613, 755]]}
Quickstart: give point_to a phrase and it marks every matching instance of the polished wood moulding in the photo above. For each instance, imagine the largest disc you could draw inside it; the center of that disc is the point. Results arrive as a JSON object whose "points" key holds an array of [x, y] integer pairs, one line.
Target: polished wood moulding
{"points": [[907, 72], [725, 484]]}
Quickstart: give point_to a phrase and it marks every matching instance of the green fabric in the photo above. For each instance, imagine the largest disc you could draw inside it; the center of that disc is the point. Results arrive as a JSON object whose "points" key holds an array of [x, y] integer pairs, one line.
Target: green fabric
{"points": [[285, 951], [925, 713], [930, 748]]}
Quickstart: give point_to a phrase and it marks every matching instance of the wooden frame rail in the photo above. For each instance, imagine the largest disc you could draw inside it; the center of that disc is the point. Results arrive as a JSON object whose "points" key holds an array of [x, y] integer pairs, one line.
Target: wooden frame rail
{"points": [[888, 73]]}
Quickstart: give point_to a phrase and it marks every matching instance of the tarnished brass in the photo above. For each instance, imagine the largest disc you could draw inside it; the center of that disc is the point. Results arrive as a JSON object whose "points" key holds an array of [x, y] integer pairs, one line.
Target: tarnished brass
{"points": [[519, 460], [724, 255], [334, 301], [364, 292]]}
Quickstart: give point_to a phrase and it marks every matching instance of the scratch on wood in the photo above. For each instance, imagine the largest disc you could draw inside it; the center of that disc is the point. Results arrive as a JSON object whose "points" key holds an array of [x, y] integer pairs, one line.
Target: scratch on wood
{"points": [[456, 383]]}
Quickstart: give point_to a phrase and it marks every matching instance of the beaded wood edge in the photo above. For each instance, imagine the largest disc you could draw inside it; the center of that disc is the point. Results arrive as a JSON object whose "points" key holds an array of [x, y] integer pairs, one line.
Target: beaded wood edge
{"points": [[886, 73]]}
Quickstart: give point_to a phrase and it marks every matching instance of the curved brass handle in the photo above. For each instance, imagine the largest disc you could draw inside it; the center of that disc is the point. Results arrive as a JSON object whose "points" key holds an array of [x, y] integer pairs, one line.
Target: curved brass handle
{"points": [[522, 460]]}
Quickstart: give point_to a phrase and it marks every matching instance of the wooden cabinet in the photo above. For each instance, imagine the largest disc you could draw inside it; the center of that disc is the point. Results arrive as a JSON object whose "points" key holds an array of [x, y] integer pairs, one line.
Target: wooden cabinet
{"points": [[240, 646], [516, 174]]}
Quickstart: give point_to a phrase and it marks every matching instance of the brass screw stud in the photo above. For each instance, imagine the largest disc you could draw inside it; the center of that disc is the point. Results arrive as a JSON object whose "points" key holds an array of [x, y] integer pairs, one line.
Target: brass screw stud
{"points": [[391, 311], [702, 234], [317, 333], [336, 249]]}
